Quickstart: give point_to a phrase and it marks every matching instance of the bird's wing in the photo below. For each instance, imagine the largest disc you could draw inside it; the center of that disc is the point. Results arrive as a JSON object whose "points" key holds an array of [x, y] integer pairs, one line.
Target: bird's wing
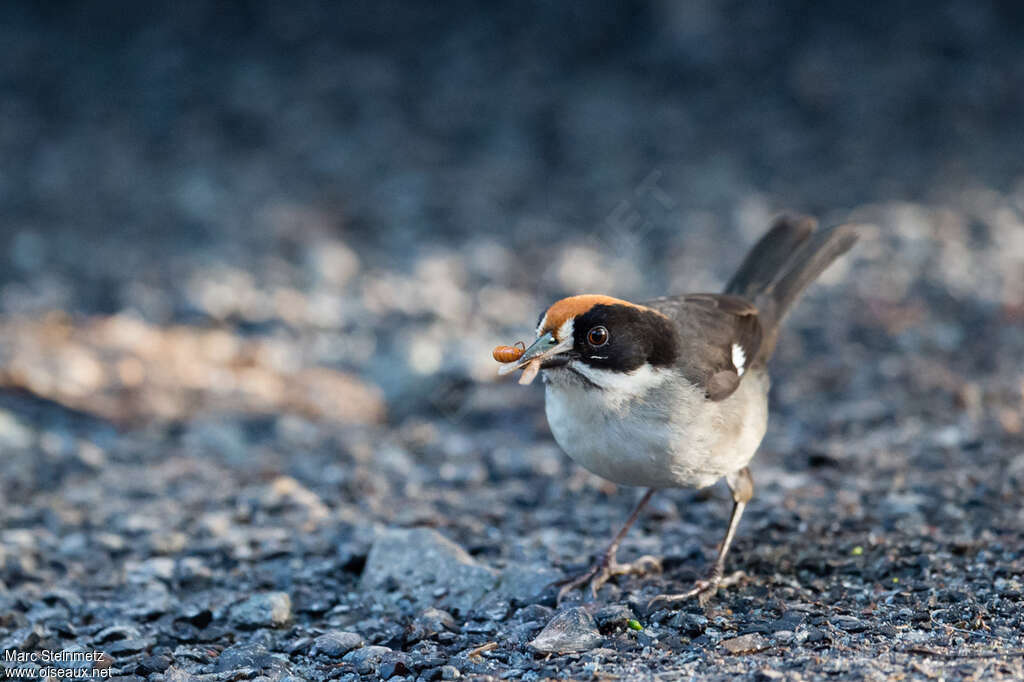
{"points": [[719, 339]]}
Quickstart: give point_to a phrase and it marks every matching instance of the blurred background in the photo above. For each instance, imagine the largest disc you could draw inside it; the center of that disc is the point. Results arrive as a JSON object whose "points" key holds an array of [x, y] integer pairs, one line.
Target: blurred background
{"points": [[385, 191], [261, 242]]}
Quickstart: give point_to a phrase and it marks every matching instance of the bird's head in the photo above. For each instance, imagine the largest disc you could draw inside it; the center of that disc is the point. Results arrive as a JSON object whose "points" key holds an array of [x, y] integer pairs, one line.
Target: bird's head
{"points": [[600, 338]]}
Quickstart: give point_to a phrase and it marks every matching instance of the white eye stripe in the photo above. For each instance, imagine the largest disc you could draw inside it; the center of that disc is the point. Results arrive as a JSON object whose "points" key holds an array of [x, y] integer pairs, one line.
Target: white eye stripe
{"points": [[565, 331], [739, 358], [598, 357]]}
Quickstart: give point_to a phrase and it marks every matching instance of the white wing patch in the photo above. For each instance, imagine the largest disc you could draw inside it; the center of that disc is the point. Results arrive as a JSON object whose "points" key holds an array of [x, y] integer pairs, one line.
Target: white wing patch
{"points": [[739, 358]]}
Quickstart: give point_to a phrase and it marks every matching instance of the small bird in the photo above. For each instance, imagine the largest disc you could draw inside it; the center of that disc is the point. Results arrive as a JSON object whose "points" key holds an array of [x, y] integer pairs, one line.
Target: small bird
{"points": [[673, 392]]}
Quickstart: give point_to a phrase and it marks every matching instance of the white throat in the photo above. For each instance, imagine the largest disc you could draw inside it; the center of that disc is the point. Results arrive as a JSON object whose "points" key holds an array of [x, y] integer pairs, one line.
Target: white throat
{"points": [[618, 387]]}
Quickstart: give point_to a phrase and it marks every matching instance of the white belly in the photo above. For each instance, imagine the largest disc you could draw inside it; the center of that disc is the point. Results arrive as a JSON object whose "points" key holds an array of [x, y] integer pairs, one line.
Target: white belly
{"points": [[662, 439]]}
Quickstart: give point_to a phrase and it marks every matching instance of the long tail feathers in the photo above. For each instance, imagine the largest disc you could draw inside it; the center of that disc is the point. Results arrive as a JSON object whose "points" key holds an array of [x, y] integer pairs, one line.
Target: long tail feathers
{"points": [[784, 263], [767, 258], [816, 254]]}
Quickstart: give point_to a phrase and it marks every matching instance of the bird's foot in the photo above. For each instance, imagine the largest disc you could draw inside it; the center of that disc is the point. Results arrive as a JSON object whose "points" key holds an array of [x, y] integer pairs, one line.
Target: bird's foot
{"points": [[603, 570], [703, 590]]}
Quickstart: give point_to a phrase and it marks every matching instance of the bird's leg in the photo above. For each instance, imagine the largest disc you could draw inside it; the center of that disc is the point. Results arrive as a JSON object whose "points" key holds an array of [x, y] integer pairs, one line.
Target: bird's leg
{"points": [[741, 484], [606, 566]]}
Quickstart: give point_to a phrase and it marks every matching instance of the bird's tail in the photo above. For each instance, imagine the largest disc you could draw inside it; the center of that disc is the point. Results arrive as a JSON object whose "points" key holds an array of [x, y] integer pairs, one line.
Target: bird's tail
{"points": [[784, 263]]}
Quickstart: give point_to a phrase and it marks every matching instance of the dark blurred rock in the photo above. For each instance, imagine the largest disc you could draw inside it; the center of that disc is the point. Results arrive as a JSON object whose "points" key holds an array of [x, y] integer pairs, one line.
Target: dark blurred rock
{"points": [[23, 639], [367, 659], [848, 623], [689, 624], [815, 635], [613, 615], [152, 664], [790, 620], [124, 647], [392, 665], [253, 656], [428, 623], [335, 644], [178, 675]]}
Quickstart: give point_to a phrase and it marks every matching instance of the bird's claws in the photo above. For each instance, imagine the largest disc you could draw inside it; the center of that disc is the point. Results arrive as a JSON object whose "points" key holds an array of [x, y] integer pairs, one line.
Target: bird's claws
{"points": [[703, 590], [603, 570]]}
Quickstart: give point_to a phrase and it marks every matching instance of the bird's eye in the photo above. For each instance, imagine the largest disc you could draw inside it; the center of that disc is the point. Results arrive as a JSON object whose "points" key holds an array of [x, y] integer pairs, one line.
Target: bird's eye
{"points": [[598, 336]]}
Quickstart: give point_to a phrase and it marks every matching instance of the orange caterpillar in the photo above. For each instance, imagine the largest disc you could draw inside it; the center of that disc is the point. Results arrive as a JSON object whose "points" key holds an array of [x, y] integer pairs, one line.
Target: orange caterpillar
{"points": [[509, 353]]}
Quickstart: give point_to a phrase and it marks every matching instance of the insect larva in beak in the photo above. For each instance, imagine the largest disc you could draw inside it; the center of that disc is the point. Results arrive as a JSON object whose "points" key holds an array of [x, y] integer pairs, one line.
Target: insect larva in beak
{"points": [[509, 353]]}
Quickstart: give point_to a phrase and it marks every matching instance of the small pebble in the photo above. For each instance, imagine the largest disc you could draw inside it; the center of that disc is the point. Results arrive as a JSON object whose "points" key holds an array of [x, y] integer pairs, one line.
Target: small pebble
{"points": [[272, 609], [335, 644], [746, 644]]}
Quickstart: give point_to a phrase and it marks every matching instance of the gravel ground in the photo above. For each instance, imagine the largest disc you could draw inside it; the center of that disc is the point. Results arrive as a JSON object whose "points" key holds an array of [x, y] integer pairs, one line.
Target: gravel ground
{"points": [[254, 262]]}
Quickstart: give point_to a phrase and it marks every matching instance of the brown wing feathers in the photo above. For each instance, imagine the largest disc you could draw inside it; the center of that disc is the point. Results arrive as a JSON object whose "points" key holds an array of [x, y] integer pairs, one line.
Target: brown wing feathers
{"points": [[715, 331], [732, 338]]}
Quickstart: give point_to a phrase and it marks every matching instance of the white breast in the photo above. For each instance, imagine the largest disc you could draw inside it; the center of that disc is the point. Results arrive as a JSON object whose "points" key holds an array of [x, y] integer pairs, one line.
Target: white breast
{"points": [[656, 430]]}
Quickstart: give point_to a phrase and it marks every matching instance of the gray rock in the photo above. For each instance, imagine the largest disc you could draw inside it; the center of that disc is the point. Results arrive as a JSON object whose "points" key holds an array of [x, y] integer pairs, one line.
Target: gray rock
{"points": [[849, 623], [152, 664], [179, 675], [115, 632], [394, 664], [572, 630], [689, 624], [151, 602], [746, 644], [520, 635], [23, 639], [492, 610], [536, 612], [612, 615], [789, 621], [521, 585], [253, 656], [145, 572], [272, 609], [427, 568], [429, 623], [367, 658], [336, 643], [450, 672], [124, 647]]}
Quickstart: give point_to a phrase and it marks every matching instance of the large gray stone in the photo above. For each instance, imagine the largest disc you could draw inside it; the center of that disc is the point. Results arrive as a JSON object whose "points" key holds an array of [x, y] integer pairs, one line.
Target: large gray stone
{"points": [[522, 585], [570, 631], [430, 570]]}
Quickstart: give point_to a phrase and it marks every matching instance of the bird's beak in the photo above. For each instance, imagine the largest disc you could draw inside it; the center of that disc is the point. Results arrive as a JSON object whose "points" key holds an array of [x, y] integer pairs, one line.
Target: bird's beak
{"points": [[546, 348]]}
